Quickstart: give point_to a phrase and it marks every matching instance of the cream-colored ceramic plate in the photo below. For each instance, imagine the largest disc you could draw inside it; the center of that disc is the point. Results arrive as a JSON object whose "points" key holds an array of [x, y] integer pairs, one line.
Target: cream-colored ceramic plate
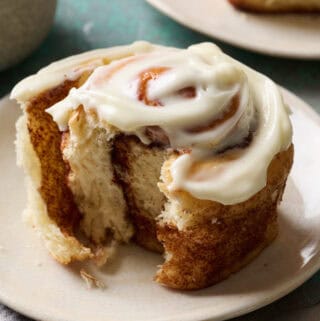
{"points": [[34, 284], [292, 35]]}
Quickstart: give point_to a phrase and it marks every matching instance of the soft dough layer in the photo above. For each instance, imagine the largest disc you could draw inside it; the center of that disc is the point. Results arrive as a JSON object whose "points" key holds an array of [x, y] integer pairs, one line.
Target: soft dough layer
{"points": [[138, 170], [87, 151], [278, 5]]}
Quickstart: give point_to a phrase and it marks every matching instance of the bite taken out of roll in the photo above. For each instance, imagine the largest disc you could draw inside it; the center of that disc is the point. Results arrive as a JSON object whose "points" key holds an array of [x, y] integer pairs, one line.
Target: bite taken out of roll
{"points": [[186, 152]]}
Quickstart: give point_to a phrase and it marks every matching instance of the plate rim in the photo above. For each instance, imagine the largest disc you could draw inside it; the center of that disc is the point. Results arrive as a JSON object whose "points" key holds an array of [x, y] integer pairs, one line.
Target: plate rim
{"points": [[285, 288], [165, 9]]}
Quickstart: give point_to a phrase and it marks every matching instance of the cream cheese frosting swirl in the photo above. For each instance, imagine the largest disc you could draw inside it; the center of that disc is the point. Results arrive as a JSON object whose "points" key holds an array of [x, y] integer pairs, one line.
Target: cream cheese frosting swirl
{"points": [[204, 103]]}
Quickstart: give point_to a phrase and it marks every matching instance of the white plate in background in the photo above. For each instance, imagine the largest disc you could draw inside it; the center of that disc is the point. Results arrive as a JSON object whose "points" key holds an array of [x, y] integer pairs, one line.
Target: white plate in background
{"points": [[32, 283], [287, 35]]}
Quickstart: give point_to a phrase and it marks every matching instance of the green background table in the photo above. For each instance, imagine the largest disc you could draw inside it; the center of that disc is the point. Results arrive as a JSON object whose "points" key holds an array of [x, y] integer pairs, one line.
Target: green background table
{"points": [[82, 25]]}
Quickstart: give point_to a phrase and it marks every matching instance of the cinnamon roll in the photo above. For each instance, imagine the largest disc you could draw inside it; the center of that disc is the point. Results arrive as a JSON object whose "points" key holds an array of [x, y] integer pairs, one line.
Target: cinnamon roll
{"points": [[186, 152], [277, 6]]}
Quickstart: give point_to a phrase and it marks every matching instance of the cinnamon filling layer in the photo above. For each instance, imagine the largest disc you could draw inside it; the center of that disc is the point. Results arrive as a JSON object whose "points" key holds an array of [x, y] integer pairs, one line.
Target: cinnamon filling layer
{"points": [[46, 140], [144, 78]]}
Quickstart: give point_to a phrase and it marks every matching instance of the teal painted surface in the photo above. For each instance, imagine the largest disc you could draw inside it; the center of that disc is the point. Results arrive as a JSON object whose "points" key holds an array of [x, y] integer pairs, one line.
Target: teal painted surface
{"points": [[82, 25]]}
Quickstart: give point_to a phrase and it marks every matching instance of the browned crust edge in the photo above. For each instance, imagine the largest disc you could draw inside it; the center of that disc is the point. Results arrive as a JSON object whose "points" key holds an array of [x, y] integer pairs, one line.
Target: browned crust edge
{"points": [[209, 251], [46, 140], [200, 260]]}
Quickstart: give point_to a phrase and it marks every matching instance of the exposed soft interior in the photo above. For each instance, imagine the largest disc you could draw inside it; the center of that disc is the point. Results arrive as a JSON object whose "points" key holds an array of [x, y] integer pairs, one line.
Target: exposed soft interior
{"points": [[114, 180], [87, 151]]}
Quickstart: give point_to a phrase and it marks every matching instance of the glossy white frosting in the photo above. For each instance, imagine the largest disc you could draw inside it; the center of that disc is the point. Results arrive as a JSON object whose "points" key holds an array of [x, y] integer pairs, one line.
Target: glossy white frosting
{"points": [[113, 91]]}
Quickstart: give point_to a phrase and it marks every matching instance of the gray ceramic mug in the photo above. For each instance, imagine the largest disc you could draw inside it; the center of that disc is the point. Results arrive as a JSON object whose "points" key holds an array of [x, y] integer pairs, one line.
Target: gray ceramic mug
{"points": [[23, 26]]}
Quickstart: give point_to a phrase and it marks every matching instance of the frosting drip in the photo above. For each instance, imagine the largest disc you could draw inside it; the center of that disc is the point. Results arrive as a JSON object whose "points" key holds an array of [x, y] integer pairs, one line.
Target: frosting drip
{"points": [[226, 121]]}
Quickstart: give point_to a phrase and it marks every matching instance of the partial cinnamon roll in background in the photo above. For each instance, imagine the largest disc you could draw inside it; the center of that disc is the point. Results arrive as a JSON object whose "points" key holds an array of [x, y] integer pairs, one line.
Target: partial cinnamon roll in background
{"points": [[277, 6], [186, 152]]}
